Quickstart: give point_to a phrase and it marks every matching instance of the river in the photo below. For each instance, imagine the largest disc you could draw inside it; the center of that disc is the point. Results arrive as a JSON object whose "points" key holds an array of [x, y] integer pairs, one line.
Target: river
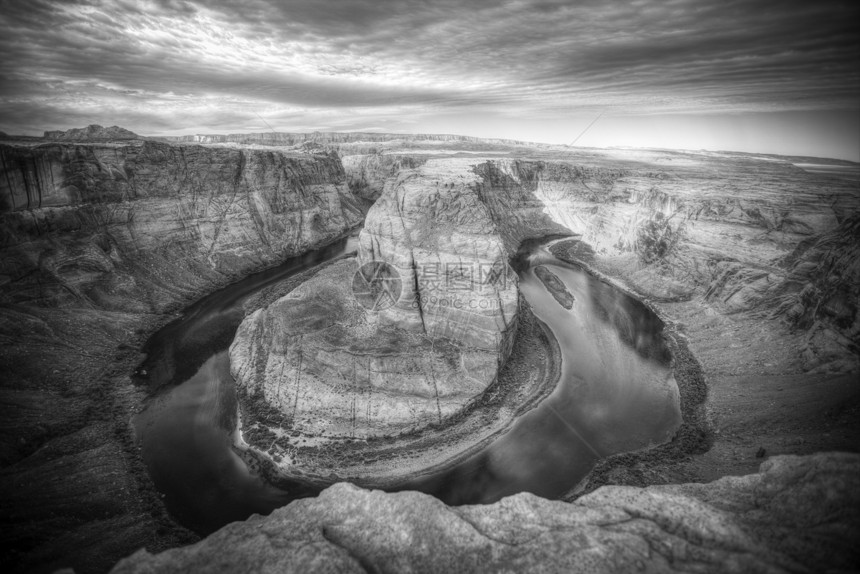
{"points": [[616, 394]]}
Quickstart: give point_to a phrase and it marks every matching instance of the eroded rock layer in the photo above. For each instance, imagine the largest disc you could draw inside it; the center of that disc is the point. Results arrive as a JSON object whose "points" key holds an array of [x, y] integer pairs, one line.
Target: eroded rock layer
{"points": [[332, 367], [741, 234], [434, 228], [796, 514], [99, 243]]}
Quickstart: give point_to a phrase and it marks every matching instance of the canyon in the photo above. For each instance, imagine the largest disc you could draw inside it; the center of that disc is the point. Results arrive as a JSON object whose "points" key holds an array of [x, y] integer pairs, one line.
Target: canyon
{"points": [[749, 263]]}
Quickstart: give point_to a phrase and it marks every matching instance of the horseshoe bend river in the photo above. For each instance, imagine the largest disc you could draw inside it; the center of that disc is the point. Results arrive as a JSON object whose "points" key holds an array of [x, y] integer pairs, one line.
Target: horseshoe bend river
{"points": [[616, 393]]}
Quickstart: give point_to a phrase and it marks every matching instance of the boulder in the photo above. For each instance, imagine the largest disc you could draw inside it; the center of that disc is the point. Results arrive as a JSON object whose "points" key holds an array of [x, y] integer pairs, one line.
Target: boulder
{"points": [[796, 514]]}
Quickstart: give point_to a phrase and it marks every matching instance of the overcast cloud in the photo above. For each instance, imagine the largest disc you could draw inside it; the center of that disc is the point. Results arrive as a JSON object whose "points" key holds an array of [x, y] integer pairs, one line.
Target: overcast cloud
{"points": [[179, 67]]}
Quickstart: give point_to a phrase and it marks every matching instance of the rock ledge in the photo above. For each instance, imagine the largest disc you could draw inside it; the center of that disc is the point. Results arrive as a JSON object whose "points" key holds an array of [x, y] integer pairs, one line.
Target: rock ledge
{"points": [[797, 513]]}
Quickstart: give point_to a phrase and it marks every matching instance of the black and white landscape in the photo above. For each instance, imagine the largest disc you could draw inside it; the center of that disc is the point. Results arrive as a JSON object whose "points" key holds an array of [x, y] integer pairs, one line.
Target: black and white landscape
{"points": [[430, 287]]}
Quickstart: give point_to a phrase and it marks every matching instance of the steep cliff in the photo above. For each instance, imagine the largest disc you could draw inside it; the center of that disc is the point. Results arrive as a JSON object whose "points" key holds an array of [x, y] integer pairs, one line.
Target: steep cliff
{"points": [[367, 174], [433, 227], [705, 232], [118, 226], [751, 260], [286, 138], [93, 132], [745, 236], [796, 514], [334, 369], [99, 243]]}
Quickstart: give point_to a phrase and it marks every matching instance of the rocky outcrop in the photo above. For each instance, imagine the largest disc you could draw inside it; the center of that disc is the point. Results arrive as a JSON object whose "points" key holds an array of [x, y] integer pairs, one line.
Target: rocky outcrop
{"points": [[555, 286], [644, 225], [796, 514], [367, 174], [743, 235], [332, 368], [99, 244], [92, 133], [194, 216], [820, 293], [290, 139], [434, 228]]}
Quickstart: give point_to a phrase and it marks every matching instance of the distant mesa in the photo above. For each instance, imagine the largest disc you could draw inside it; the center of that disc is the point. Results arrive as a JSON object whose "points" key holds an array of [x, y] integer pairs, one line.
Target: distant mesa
{"points": [[92, 133]]}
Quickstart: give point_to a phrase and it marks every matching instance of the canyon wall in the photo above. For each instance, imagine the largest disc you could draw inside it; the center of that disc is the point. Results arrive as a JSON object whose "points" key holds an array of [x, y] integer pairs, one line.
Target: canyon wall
{"points": [[367, 174], [785, 518], [745, 236], [290, 139], [334, 369], [432, 226], [706, 231], [99, 244], [122, 227]]}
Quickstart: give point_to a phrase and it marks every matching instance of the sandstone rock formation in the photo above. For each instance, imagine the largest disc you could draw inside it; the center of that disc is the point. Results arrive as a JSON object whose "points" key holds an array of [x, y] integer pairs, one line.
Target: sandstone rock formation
{"points": [[218, 213], [820, 293], [99, 244], [92, 133], [796, 514], [361, 138], [333, 369], [641, 226], [368, 173], [435, 229], [742, 234]]}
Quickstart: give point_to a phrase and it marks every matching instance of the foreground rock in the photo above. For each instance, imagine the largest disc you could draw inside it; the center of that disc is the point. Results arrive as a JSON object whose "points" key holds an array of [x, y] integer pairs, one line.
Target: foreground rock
{"points": [[797, 514]]}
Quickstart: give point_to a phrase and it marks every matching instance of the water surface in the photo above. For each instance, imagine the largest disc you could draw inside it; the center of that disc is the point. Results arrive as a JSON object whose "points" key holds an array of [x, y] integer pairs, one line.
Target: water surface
{"points": [[616, 394]]}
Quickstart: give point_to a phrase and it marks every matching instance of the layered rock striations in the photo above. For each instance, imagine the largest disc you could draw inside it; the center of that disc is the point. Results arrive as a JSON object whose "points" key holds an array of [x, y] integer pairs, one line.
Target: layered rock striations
{"points": [[362, 138], [335, 369], [330, 369], [706, 230], [99, 242], [751, 259], [368, 174], [93, 132], [743, 235], [434, 228], [200, 215]]}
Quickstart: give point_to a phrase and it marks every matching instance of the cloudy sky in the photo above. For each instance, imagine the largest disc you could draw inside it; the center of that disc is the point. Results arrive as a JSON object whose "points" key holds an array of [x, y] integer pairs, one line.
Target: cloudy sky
{"points": [[748, 75]]}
